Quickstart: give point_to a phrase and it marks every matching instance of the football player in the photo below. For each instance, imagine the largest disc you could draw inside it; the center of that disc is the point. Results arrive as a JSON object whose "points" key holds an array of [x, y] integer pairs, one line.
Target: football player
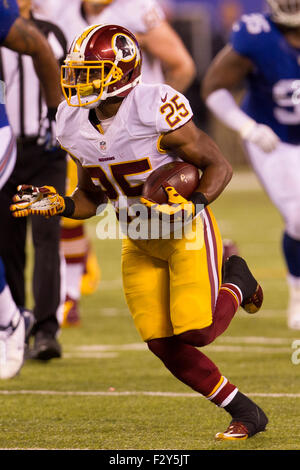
{"points": [[264, 52], [20, 36], [118, 131], [146, 19]]}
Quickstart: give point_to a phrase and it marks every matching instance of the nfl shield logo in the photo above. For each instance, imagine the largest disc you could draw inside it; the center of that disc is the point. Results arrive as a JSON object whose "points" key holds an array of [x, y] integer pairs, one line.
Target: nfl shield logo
{"points": [[102, 145]]}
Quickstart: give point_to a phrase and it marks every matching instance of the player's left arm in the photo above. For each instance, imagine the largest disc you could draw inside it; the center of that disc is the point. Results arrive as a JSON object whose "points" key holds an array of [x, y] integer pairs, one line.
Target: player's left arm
{"points": [[226, 74], [163, 42], [87, 198], [197, 148], [25, 38]]}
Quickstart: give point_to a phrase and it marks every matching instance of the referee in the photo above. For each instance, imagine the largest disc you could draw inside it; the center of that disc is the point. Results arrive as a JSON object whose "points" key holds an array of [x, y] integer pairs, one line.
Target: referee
{"points": [[39, 162]]}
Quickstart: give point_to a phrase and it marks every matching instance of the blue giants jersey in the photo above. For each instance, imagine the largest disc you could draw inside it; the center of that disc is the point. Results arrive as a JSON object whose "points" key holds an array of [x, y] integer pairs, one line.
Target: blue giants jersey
{"points": [[273, 92], [9, 11]]}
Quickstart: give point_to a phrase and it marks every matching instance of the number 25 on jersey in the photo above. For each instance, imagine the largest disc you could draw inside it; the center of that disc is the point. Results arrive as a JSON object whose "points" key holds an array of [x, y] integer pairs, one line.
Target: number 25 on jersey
{"points": [[174, 111]]}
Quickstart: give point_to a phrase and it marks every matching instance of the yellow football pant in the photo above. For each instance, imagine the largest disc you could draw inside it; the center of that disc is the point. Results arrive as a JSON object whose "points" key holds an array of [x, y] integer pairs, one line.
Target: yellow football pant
{"points": [[171, 286]]}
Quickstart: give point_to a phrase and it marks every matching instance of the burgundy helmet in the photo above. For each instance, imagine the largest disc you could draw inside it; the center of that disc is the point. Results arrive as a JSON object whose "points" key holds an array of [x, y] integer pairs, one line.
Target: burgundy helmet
{"points": [[104, 61]]}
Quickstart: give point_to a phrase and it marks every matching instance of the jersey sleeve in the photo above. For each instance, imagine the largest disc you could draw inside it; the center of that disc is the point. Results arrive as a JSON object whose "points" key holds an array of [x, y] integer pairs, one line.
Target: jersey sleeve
{"points": [[173, 109], [157, 109], [249, 34], [9, 12], [65, 125]]}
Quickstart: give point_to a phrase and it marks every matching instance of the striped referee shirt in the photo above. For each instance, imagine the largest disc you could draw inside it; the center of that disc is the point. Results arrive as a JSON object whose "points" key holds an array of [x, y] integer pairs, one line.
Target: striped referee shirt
{"points": [[24, 103]]}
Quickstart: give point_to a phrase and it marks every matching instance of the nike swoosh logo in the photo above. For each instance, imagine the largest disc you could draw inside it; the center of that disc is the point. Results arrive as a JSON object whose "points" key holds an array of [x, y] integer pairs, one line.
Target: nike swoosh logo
{"points": [[165, 98]]}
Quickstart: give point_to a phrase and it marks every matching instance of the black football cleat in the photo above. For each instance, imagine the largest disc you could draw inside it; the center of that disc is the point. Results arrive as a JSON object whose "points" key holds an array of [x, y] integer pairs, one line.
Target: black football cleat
{"points": [[248, 419], [237, 272], [45, 347], [238, 431]]}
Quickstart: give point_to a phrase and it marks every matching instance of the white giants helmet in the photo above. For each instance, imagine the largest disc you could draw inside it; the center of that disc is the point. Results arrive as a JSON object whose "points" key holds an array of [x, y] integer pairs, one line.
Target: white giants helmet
{"points": [[285, 12]]}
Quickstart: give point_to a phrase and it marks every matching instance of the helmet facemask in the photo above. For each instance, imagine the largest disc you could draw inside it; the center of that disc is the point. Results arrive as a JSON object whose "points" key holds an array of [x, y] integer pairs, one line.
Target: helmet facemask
{"points": [[285, 12], [88, 80]]}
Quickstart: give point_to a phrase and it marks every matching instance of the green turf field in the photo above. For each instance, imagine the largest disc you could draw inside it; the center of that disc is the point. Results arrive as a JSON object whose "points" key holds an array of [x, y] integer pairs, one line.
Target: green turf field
{"points": [[109, 392]]}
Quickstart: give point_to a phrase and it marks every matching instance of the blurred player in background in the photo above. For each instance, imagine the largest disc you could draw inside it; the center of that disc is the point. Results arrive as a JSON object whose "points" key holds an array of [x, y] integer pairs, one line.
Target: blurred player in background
{"points": [[22, 37], [264, 50], [146, 19], [39, 160], [165, 58], [118, 131]]}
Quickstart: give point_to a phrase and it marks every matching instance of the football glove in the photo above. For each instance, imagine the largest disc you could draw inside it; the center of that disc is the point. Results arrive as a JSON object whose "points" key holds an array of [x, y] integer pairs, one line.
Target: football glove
{"points": [[47, 134], [260, 135], [35, 200], [177, 208]]}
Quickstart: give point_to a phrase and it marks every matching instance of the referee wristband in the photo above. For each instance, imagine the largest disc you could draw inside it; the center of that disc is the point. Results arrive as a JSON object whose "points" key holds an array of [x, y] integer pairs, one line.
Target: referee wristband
{"points": [[69, 207], [199, 201]]}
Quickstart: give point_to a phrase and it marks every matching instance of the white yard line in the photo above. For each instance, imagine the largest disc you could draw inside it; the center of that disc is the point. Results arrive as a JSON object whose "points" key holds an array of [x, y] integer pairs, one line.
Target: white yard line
{"points": [[134, 393], [247, 344], [89, 355], [254, 340], [216, 348], [142, 346]]}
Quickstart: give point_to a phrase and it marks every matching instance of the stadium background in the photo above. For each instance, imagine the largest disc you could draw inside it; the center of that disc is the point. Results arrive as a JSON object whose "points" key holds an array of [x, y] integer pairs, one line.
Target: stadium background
{"points": [[205, 27], [108, 392]]}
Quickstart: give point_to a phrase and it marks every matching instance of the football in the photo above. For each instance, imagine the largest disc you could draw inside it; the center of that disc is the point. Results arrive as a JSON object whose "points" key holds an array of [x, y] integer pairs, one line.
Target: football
{"points": [[183, 176]]}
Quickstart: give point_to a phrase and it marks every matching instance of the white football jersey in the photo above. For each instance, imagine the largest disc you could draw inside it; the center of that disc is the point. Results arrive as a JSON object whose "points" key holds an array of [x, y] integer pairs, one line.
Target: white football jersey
{"points": [[120, 159], [139, 16]]}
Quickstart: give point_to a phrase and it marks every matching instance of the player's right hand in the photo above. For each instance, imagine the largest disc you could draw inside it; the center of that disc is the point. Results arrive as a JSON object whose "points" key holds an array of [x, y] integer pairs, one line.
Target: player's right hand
{"points": [[262, 136], [177, 207], [35, 200]]}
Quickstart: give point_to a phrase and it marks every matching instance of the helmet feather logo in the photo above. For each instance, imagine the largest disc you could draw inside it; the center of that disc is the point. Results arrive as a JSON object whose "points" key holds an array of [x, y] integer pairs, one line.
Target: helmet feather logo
{"points": [[124, 47]]}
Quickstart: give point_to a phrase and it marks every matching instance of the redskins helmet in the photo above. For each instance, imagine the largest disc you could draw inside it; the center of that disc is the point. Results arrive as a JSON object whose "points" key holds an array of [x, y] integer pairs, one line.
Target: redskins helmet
{"points": [[285, 12], [104, 61]]}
